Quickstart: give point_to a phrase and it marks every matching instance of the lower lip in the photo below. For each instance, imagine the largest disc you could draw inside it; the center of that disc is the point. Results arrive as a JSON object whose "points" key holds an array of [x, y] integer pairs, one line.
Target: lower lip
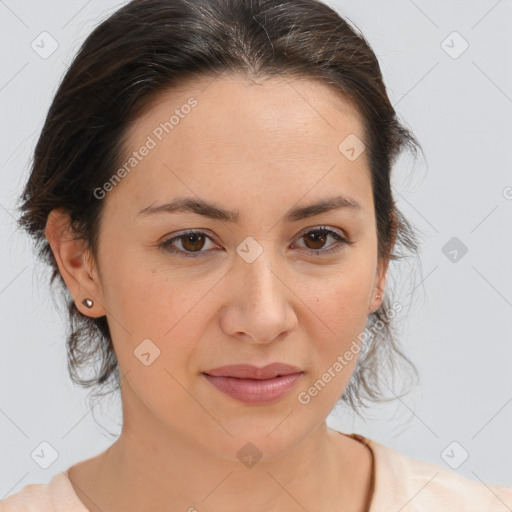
{"points": [[255, 391]]}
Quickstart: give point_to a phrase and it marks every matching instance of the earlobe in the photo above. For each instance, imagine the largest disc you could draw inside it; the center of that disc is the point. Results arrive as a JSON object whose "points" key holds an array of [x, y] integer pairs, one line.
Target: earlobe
{"points": [[379, 287], [376, 302], [74, 263]]}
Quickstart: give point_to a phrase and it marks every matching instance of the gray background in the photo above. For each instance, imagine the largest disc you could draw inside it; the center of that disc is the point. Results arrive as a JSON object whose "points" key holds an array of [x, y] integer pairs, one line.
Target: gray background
{"points": [[457, 328]]}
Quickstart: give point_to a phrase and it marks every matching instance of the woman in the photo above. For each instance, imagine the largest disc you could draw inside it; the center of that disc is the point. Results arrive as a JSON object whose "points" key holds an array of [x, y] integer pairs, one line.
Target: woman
{"points": [[212, 186]]}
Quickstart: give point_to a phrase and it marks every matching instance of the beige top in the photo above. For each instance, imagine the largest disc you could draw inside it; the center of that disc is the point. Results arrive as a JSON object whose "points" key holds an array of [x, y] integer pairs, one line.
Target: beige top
{"points": [[400, 483]]}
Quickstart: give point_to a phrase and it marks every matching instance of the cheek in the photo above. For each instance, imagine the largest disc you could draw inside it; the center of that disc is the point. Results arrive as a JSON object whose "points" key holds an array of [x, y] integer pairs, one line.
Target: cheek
{"points": [[139, 295], [338, 318], [147, 301], [343, 304], [155, 324]]}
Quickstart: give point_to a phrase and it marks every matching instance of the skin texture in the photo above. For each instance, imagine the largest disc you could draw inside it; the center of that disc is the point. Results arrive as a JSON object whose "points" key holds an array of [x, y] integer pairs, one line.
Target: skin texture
{"points": [[262, 149]]}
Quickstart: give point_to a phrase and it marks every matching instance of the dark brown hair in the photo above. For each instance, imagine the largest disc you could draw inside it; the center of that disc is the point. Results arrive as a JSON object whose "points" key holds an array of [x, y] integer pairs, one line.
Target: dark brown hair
{"points": [[150, 46]]}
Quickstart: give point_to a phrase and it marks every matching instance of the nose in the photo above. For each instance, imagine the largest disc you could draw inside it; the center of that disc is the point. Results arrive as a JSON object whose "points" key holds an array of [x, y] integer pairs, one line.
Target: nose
{"points": [[259, 302]]}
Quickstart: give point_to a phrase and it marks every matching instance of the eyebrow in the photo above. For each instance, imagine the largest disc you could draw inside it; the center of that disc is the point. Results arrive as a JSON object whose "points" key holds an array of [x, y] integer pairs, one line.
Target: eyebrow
{"points": [[213, 211]]}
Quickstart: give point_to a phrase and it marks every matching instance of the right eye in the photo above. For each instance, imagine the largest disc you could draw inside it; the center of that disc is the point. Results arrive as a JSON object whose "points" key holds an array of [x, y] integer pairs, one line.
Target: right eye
{"points": [[192, 243]]}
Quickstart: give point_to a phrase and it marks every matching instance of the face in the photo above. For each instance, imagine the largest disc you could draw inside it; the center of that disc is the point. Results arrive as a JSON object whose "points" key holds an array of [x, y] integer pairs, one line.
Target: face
{"points": [[262, 278]]}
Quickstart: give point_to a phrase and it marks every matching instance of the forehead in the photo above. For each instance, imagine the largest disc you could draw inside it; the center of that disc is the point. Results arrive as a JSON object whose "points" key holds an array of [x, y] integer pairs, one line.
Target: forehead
{"points": [[252, 137], [277, 110]]}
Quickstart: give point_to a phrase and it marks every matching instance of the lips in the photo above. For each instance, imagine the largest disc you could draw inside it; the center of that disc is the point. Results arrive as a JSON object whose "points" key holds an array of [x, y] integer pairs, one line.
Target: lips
{"points": [[247, 371], [252, 385]]}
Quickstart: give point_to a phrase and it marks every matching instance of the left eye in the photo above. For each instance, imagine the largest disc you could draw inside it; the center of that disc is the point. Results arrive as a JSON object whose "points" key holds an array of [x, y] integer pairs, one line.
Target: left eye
{"points": [[316, 238], [192, 242]]}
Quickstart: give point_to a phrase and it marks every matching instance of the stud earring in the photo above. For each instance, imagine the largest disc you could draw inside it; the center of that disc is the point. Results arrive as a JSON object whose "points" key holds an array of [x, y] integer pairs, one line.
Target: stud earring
{"points": [[88, 303], [378, 296]]}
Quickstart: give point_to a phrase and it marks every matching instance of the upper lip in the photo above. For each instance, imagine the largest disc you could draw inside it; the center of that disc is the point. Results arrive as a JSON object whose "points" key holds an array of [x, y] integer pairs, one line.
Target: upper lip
{"points": [[247, 371]]}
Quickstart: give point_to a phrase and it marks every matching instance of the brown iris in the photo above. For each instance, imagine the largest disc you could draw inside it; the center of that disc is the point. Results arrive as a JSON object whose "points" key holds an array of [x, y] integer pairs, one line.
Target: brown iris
{"points": [[318, 238], [193, 242]]}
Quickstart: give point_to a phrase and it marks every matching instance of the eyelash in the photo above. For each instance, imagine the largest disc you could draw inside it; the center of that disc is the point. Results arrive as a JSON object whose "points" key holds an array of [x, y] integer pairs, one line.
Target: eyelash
{"points": [[341, 242]]}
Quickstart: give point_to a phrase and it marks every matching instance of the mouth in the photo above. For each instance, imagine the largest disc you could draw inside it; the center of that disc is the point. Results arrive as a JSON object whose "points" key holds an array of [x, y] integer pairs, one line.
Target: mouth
{"points": [[252, 385], [255, 391], [248, 371]]}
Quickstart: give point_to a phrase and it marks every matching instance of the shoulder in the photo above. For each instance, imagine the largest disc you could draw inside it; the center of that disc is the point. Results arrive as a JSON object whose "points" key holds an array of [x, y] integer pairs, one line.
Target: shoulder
{"points": [[54, 496], [412, 485], [33, 497]]}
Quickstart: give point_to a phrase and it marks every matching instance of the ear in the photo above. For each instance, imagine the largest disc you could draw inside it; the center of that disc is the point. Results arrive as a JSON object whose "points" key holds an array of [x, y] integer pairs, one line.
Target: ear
{"points": [[75, 263], [379, 285]]}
